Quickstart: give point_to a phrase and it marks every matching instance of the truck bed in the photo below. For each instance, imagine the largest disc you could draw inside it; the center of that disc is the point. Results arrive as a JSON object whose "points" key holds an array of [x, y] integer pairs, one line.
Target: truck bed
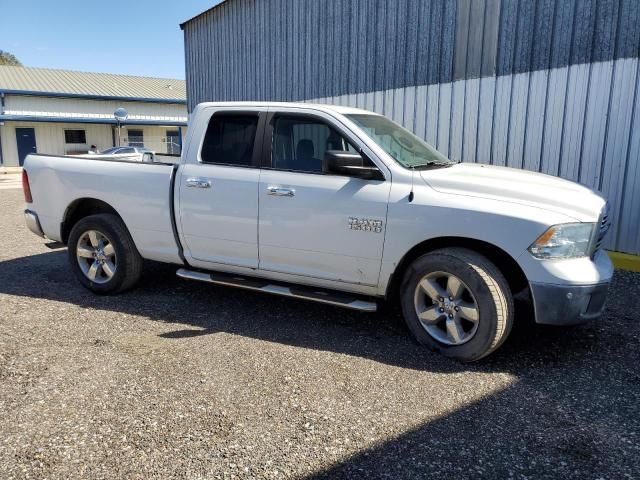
{"points": [[141, 193]]}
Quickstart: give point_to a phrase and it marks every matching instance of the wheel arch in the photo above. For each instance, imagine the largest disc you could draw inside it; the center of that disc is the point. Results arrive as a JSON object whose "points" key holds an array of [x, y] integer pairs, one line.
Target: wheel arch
{"points": [[81, 208], [501, 259]]}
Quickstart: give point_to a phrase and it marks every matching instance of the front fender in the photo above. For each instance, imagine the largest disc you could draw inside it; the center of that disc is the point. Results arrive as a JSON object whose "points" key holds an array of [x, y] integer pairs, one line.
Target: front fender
{"points": [[433, 215]]}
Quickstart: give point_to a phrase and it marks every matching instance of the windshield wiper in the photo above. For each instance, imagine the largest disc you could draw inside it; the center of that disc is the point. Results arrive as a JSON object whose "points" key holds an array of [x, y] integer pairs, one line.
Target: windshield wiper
{"points": [[424, 166]]}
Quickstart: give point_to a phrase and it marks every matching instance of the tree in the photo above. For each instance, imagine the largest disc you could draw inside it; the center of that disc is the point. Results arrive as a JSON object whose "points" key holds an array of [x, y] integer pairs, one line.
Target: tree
{"points": [[7, 58]]}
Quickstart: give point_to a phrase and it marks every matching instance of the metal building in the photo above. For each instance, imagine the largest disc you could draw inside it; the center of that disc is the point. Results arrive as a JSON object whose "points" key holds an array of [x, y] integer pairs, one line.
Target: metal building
{"points": [[63, 112], [546, 85]]}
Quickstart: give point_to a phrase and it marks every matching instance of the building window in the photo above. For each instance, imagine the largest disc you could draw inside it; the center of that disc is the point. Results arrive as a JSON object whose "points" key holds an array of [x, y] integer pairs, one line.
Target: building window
{"points": [[75, 137], [174, 143], [136, 138]]}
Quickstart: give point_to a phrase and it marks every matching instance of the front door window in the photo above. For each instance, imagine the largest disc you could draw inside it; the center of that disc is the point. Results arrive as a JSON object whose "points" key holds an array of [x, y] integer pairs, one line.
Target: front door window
{"points": [[299, 144]]}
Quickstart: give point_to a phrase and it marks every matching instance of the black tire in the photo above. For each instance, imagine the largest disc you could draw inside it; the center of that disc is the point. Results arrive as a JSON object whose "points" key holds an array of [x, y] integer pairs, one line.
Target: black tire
{"points": [[495, 308], [129, 262]]}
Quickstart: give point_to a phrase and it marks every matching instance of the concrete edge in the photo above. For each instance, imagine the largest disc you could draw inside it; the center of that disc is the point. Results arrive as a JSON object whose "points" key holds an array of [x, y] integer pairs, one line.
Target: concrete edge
{"points": [[6, 170], [625, 261]]}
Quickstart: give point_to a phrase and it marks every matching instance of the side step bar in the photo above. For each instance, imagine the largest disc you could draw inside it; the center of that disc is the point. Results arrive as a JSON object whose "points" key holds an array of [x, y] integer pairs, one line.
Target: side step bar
{"points": [[330, 297]]}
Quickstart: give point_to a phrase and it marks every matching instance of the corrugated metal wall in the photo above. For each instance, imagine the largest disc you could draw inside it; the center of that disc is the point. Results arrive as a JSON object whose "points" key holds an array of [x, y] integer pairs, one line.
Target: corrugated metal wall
{"points": [[547, 85]]}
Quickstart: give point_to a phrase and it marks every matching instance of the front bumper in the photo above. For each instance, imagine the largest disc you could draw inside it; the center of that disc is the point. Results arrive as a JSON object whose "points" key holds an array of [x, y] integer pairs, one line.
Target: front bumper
{"points": [[33, 223], [568, 304]]}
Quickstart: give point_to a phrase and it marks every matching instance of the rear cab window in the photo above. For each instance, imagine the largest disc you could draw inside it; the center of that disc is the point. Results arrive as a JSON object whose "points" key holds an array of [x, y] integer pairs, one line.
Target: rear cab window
{"points": [[230, 139]]}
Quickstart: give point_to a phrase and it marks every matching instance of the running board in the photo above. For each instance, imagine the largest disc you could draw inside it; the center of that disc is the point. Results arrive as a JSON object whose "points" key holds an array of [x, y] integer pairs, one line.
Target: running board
{"points": [[329, 297]]}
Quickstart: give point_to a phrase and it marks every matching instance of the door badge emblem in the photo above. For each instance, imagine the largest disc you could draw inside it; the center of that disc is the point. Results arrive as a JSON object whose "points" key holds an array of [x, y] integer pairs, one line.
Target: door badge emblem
{"points": [[365, 224]]}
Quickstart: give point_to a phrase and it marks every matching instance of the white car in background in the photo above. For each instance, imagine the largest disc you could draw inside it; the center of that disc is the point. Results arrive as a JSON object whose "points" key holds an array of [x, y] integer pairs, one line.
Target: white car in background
{"points": [[132, 154]]}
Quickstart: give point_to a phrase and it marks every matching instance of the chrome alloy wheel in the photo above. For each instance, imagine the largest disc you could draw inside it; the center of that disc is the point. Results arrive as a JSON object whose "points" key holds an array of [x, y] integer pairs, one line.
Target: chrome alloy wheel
{"points": [[96, 256], [446, 308]]}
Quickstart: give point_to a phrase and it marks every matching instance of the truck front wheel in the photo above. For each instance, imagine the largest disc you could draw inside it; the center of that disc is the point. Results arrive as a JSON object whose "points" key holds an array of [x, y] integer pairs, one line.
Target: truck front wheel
{"points": [[102, 254], [456, 302]]}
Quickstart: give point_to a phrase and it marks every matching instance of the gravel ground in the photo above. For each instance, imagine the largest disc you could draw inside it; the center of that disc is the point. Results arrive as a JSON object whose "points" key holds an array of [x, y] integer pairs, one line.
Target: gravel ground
{"points": [[181, 379]]}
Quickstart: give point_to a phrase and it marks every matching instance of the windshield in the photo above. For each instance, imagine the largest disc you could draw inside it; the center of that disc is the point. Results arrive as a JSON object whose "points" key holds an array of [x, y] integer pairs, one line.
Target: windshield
{"points": [[406, 149], [110, 150]]}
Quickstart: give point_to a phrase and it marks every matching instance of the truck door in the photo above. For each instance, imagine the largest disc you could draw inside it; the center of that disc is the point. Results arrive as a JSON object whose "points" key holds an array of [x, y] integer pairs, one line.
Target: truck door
{"points": [[218, 190], [312, 223]]}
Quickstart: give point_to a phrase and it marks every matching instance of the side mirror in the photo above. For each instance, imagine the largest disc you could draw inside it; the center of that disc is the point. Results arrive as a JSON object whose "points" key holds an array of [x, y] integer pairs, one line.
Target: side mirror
{"points": [[351, 164]]}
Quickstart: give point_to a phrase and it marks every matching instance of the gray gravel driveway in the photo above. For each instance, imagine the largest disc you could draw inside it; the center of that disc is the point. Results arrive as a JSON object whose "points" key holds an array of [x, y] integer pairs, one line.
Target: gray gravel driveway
{"points": [[184, 380]]}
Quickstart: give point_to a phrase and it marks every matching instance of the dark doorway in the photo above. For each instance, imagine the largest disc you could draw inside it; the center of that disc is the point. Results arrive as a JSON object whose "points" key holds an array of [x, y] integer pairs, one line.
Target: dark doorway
{"points": [[26, 140], [173, 142]]}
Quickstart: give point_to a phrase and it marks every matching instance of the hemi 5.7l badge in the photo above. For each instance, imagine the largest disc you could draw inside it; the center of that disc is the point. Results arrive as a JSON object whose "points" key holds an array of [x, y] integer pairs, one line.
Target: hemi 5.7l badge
{"points": [[365, 224]]}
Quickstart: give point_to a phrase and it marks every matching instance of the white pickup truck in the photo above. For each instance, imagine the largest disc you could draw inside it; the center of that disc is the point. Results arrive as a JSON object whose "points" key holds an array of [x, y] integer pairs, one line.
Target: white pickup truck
{"points": [[336, 205]]}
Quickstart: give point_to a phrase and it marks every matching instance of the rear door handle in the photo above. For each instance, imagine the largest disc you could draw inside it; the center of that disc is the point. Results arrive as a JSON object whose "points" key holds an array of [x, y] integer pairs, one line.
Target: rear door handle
{"points": [[198, 183], [281, 191]]}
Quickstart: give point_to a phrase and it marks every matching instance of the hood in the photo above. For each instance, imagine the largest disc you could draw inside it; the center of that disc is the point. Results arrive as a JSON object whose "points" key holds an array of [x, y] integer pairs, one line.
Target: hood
{"points": [[518, 186]]}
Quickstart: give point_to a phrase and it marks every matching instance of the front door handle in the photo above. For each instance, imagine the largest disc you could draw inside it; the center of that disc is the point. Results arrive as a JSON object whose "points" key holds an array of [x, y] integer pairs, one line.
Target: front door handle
{"points": [[198, 183], [281, 191]]}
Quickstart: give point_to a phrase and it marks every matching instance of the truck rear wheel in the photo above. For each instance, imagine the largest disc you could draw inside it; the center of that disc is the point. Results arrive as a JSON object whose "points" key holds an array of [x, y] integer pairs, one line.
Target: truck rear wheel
{"points": [[102, 254], [456, 302]]}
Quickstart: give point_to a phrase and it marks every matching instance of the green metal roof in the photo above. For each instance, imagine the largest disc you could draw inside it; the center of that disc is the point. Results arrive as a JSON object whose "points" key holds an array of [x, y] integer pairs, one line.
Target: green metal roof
{"points": [[93, 85]]}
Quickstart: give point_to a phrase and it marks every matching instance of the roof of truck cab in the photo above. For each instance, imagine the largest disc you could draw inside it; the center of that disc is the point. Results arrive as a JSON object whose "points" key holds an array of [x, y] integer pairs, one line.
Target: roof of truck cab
{"points": [[344, 110]]}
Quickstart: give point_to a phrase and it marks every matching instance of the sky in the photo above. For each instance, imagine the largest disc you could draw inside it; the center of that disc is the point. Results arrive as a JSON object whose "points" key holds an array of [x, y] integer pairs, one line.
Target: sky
{"points": [[134, 37]]}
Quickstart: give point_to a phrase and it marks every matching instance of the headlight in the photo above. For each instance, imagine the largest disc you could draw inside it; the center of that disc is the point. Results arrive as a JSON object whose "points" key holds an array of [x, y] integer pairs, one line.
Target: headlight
{"points": [[567, 240]]}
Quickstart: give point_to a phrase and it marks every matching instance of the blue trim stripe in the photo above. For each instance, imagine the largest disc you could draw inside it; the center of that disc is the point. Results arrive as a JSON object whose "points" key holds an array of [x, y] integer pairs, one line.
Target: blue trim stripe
{"points": [[101, 121], [29, 93]]}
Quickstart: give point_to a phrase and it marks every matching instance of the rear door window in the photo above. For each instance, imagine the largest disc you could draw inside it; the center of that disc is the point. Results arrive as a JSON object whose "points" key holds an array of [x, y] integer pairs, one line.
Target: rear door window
{"points": [[230, 139]]}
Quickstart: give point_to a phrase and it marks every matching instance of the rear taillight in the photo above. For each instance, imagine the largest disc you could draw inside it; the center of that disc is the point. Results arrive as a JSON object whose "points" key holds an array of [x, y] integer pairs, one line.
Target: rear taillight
{"points": [[26, 189]]}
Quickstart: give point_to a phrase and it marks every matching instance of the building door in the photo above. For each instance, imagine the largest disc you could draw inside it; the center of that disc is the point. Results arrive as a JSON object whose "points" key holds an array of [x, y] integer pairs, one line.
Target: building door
{"points": [[173, 142], [26, 141]]}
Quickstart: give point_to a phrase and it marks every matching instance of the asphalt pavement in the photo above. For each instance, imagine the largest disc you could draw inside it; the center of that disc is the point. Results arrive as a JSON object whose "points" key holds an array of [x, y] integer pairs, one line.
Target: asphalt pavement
{"points": [[178, 379]]}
